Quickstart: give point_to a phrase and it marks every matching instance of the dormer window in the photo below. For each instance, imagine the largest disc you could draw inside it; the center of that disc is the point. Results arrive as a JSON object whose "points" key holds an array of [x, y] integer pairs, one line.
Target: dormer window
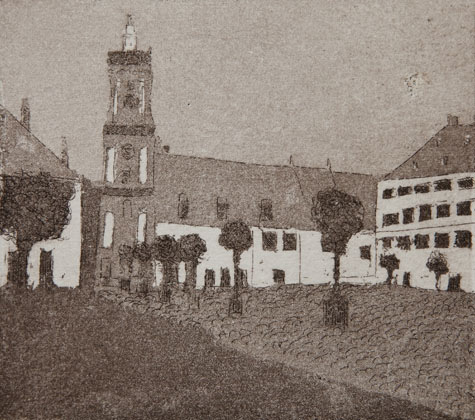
{"points": [[222, 208], [467, 140], [415, 165], [266, 210], [444, 161], [183, 206]]}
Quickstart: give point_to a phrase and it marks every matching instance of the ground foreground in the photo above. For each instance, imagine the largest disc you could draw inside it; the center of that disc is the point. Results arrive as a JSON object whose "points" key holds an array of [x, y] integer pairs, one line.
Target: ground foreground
{"points": [[410, 343], [67, 356]]}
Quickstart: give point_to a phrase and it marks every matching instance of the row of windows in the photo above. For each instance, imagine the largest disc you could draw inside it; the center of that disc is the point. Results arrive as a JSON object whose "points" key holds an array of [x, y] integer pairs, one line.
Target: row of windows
{"points": [[425, 213], [269, 239], [440, 185], [463, 239]]}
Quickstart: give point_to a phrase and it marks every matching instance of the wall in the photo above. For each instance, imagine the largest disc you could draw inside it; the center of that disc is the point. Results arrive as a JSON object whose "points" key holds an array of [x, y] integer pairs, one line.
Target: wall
{"points": [[414, 260], [66, 250]]}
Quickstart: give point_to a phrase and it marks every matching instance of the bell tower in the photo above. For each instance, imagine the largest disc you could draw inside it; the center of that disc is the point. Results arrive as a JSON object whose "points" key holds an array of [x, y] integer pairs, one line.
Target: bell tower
{"points": [[129, 132]]}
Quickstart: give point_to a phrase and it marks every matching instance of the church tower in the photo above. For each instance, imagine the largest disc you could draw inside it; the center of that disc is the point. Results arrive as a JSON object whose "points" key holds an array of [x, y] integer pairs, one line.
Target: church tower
{"points": [[129, 132]]}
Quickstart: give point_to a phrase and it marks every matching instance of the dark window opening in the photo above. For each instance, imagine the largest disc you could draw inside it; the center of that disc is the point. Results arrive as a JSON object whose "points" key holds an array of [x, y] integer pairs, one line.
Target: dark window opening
{"points": [[279, 276], [406, 279], [463, 239], [425, 212], [465, 183], [387, 242], [443, 185], [266, 210], [421, 241], [407, 216], [441, 240], [225, 277], [464, 209], [454, 283], [365, 252], [422, 188], [183, 206], [222, 208], [443, 210], [404, 191], [390, 219], [404, 243], [269, 241], [445, 161], [290, 241], [388, 193]]}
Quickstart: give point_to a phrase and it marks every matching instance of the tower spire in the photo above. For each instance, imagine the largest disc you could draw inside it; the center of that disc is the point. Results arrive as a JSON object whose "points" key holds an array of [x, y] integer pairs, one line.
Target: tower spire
{"points": [[130, 37]]}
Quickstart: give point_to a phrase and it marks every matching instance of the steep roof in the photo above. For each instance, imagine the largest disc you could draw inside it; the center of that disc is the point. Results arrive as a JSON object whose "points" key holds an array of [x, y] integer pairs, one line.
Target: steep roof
{"points": [[451, 150], [22, 151], [244, 185]]}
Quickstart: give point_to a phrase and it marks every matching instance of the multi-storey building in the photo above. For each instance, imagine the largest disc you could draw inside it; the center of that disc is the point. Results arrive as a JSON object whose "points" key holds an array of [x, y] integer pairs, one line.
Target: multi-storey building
{"points": [[56, 260], [149, 192], [426, 204]]}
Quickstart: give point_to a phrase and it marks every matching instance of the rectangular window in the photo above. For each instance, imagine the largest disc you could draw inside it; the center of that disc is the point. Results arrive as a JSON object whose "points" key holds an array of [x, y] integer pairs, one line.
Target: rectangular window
{"points": [[108, 230], [388, 193], [290, 241], [401, 191], [266, 210], [443, 210], [183, 206], [421, 241], [365, 252], [463, 239], [422, 188], [404, 243], [110, 164], [390, 219], [425, 212], [143, 165], [142, 96], [387, 242], [464, 209], [465, 183], [441, 240], [116, 96], [141, 227], [269, 241], [408, 215], [222, 208], [443, 185]]}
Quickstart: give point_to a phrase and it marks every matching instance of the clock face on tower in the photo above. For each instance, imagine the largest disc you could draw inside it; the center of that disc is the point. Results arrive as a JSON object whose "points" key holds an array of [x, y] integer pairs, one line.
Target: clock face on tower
{"points": [[127, 151]]}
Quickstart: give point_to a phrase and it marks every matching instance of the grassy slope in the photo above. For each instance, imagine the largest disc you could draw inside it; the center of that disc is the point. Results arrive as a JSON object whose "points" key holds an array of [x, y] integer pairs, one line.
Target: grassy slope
{"points": [[410, 343], [65, 356]]}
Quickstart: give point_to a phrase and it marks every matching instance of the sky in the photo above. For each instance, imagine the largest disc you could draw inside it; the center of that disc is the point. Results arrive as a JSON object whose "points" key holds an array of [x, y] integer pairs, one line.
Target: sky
{"points": [[363, 83]]}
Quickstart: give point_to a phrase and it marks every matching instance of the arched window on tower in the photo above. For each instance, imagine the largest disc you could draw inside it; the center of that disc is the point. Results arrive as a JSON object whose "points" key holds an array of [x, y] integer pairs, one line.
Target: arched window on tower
{"points": [[110, 164], [143, 165], [108, 230], [141, 228], [116, 96], [142, 96]]}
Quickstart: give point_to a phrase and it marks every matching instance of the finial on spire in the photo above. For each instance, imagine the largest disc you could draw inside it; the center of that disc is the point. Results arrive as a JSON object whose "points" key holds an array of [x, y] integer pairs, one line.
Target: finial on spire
{"points": [[130, 37]]}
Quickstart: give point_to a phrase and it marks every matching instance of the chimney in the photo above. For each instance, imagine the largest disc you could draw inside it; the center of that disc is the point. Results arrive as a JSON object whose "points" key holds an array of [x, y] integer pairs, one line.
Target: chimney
{"points": [[25, 113], [452, 120], [166, 149], [64, 152]]}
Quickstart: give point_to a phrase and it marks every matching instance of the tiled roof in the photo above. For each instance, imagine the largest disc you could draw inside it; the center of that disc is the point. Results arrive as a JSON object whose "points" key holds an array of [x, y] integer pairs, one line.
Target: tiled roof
{"points": [[22, 151], [244, 185], [451, 150]]}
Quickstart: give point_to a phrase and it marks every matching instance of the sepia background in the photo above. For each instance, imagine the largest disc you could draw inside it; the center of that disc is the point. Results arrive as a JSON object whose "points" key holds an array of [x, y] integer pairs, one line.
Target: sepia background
{"points": [[365, 83]]}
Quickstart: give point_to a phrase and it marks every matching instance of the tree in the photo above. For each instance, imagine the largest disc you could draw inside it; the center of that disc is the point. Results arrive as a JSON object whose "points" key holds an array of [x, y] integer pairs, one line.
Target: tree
{"points": [[338, 216], [33, 208], [237, 237], [142, 252], [192, 248], [389, 263], [437, 263], [166, 250]]}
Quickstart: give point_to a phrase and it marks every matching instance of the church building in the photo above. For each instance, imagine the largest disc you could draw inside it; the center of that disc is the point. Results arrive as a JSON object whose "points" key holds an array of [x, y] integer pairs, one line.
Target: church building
{"points": [[148, 192]]}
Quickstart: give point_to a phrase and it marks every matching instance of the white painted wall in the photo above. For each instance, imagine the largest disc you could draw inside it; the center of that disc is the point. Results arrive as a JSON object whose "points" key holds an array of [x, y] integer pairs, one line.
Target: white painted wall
{"points": [[6, 246], [66, 250], [414, 260], [307, 264]]}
